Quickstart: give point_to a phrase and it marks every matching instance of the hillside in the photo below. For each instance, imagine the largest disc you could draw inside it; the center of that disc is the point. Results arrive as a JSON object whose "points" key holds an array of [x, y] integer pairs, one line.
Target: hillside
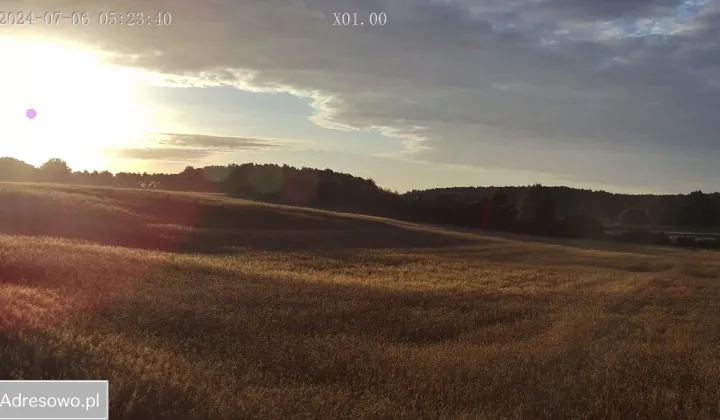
{"points": [[199, 306], [183, 221], [312, 187]]}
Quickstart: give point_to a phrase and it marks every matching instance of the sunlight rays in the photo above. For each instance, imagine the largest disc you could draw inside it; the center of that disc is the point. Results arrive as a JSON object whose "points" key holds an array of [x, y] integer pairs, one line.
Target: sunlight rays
{"points": [[83, 105]]}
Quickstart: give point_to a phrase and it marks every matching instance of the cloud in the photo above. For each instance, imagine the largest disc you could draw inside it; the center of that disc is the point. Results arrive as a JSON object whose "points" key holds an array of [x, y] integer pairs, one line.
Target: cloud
{"points": [[608, 8], [216, 143], [195, 147], [161, 154], [560, 85]]}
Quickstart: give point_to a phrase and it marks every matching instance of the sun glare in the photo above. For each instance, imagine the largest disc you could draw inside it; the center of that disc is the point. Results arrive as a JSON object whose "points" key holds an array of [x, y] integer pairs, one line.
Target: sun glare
{"points": [[81, 105]]}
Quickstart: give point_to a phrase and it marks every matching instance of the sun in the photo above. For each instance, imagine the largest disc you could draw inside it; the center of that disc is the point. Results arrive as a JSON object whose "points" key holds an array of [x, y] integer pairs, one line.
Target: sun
{"points": [[82, 104]]}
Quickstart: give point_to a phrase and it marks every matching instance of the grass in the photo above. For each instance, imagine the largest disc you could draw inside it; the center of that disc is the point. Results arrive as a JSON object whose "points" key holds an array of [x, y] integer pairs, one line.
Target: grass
{"points": [[244, 310]]}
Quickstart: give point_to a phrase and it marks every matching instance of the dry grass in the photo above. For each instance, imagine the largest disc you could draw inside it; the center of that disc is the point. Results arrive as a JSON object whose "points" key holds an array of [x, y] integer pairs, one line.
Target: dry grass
{"points": [[287, 313]]}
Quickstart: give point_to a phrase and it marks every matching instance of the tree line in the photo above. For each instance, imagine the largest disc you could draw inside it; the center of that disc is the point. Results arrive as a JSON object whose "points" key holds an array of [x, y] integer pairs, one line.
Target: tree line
{"points": [[535, 209]]}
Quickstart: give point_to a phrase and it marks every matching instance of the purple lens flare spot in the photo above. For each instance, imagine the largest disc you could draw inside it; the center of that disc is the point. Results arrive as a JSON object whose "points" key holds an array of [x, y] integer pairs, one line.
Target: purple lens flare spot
{"points": [[31, 113]]}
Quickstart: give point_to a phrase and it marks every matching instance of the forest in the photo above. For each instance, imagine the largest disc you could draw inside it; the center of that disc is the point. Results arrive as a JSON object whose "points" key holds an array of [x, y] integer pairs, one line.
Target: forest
{"points": [[533, 209]]}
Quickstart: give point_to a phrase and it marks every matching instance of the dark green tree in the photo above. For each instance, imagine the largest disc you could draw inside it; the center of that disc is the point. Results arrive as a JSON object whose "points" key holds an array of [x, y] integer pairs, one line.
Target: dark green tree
{"points": [[703, 209], [579, 225], [634, 216], [536, 210], [12, 169], [55, 170], [501, 213], [538, 203]]}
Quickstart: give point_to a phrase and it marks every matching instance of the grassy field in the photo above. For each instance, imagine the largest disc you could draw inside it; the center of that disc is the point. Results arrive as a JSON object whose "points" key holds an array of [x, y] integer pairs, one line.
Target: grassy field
{"points": [[204, 307]]}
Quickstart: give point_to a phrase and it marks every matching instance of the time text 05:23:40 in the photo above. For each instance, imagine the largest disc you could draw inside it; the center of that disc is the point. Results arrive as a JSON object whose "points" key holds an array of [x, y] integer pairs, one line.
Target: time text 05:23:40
{"points": [[86, 18]]}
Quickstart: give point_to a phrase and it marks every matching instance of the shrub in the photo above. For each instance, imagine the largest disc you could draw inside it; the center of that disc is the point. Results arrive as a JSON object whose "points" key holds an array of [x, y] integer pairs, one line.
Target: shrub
{"points": [[537, 209], [581, 226], [661, 238], [709, 243], [644, 236], [537, 227], [685, 241], [634, 216]]}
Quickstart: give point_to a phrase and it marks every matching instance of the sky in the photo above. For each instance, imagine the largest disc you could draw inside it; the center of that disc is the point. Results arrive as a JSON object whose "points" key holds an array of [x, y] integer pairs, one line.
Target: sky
{"points": [[620, 95]]}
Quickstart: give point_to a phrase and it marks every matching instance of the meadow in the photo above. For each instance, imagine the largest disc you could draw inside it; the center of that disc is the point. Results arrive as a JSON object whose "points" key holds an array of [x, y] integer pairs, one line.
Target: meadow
{"points": [[207, 307]]}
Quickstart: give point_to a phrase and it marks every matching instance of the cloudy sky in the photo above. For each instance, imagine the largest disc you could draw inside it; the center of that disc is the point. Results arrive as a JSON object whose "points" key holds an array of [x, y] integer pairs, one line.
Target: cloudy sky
{"points": [[622, 95]]}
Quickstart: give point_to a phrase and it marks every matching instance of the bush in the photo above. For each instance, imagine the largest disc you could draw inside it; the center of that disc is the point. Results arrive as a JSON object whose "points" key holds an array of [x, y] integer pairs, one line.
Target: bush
{"points": [[634, 216], [537, 227], [644, 236], [581, 226], [708, 243], [685, 241], [661, 238], [536, 209]]}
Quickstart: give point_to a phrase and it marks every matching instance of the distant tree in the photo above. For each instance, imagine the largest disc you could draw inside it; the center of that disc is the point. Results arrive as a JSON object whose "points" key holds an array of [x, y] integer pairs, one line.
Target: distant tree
{"points": [[445, 208], [12, 169], [538, 203], [703, 209], [706, 214], [486, 207], [126, 179], [105, 178], [266, 181], [643, 236], [496, 212], [192, 179], [685, 241], [634, 216], [499, 198], [82, 178], [666, 216], [217, 174], [537, 210], [581, 226], [696, 209], [55, 170], [685, 215]]}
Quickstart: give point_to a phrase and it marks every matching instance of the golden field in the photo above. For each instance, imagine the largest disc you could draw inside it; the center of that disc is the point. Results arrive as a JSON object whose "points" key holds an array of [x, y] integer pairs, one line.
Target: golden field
{"points": [[206, 307]]}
